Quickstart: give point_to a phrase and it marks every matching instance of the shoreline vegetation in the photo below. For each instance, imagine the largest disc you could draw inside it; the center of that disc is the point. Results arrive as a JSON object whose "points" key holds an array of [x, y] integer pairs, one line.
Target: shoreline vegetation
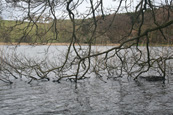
{"points": [[123, 27], [81, 44], [56, 44]]}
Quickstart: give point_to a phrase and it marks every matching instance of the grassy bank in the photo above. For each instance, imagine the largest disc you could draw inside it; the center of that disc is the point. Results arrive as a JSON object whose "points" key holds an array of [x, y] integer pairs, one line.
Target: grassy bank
{"points": [[107, 32], [56, 44]]}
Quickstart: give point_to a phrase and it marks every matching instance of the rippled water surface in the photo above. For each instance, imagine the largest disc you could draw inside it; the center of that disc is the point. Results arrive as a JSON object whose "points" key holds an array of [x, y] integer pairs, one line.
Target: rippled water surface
{"points": [[92, 97]]}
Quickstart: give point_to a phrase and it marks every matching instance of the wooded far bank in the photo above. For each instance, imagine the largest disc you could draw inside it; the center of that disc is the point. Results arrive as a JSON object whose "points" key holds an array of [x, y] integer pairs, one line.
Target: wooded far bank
{"points": [[111, 29]]}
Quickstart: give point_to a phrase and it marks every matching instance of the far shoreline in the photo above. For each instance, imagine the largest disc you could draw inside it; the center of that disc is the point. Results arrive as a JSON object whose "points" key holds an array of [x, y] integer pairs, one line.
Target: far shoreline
{"points": [[55, 44], [76, 44]]}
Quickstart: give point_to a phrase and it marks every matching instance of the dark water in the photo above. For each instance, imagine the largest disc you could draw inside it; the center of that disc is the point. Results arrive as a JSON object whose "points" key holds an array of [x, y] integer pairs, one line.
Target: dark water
{"points": [[92, 97]]}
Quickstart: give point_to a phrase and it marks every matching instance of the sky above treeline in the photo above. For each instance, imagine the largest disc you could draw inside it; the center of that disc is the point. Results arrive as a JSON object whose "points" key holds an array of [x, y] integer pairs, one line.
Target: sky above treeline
{"points": [[11, 13]]}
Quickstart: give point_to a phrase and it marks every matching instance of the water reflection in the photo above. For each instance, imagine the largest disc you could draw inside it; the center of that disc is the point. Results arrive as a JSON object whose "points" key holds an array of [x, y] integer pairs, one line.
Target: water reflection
{"points": [[92, 96]]}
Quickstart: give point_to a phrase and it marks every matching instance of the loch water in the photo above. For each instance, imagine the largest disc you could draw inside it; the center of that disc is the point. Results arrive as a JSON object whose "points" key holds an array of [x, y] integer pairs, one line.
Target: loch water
{"points": [[121, 96]]}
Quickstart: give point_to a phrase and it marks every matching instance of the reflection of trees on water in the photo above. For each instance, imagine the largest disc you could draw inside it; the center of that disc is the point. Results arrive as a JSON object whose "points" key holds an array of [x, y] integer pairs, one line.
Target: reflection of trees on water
{"points": [[83, 98]]}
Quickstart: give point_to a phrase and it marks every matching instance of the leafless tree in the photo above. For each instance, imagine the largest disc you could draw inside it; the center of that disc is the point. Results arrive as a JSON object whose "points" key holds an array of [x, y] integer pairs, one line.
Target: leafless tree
{"points": [[129, 26]]}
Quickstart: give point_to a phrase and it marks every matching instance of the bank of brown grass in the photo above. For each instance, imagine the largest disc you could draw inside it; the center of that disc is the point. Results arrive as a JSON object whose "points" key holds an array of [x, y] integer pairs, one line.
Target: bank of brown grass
{"points": [[56, 44]]}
